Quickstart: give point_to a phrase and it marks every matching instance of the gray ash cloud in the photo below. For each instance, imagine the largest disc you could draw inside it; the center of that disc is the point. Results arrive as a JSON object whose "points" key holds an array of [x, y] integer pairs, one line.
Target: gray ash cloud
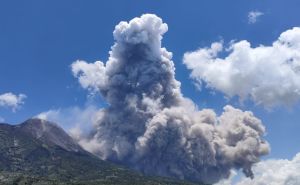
{"points": [[150, 126]]}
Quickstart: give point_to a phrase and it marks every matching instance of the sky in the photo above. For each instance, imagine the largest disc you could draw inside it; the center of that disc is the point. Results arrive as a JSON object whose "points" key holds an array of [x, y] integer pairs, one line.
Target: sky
{"points": [[39, 41]]}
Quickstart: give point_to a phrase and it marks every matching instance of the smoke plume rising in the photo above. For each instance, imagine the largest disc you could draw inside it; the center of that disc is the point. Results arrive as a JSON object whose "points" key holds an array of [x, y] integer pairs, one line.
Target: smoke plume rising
{"points": [[148, 124]]}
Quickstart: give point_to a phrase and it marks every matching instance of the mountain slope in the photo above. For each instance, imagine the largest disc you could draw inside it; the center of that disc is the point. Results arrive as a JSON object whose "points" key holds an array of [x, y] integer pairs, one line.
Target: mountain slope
{"points": [[40, 152]]}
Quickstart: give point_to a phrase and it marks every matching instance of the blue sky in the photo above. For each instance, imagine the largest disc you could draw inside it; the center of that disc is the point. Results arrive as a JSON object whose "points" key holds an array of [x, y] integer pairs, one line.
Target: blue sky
{"points": [[39, 40]]}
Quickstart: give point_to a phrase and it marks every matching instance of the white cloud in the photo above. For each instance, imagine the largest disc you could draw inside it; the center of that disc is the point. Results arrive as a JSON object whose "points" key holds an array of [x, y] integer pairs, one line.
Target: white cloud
{"points": [[253, 16], [269, 75], [1, 119], [90, 75], [10, 100], [272, 171]]}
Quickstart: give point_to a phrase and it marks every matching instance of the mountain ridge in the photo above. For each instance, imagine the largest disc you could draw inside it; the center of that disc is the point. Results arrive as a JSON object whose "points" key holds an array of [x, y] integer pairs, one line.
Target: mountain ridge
{"points": [[49, 131], [40, 152]]}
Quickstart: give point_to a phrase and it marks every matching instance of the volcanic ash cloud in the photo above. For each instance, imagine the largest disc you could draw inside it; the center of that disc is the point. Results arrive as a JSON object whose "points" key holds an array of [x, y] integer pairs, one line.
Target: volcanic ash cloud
{"points": [[148, 124]]}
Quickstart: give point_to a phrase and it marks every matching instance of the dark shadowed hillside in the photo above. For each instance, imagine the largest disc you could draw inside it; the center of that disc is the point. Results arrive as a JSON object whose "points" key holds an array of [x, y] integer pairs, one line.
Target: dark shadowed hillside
{"points": [[40, 152]]}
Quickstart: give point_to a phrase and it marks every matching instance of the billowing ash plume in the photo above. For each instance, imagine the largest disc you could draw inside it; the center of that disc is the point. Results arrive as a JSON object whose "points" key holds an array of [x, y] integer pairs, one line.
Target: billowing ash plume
{"points": [[148, 124]]}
